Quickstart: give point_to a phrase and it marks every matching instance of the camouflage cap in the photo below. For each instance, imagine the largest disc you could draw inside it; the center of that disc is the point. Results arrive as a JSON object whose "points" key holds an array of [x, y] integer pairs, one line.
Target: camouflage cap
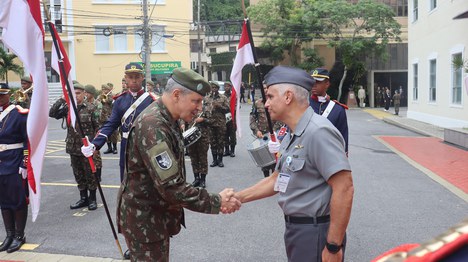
{"points": [[78, 86], [91, 89], [26, 79], [214, 84], [105, 86], [191, 80], [149, 82]]}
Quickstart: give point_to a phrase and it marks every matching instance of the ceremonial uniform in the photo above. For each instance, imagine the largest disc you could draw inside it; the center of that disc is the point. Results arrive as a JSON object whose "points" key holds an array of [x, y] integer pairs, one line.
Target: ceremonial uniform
{"points": [[218, 106], [336, 115], [154, 190], [230, 136], [121, 106], [13, 186], [259, 122], [198, 151]]}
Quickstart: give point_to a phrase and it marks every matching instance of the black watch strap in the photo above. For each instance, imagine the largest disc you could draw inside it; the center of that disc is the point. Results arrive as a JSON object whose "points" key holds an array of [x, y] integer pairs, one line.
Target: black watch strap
{"points": [[333, 248]]}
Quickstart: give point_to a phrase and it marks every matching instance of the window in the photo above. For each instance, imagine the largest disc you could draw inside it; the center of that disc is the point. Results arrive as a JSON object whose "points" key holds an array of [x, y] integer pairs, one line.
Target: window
{"points": [[52, 76], [415, 10], [158, 39], [120, 39], [456, 81], [102, 41], [232, 49], [433, 4], [212, 50], [400, 7], [415, 82], [432, 80], [194, 45]]}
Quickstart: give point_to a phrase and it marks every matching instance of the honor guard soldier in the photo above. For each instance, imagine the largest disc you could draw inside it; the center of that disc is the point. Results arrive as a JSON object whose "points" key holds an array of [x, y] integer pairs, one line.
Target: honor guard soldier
{"points": [[127, 106], [13, 174], [218, 107], [230, 137], [331, 109], [312, 176], [154, 192], [89, 118]]}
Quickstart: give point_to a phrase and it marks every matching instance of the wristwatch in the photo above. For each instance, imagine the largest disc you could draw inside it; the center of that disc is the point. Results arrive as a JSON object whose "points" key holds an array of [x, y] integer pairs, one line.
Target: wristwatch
{"points": [[333, 248]]}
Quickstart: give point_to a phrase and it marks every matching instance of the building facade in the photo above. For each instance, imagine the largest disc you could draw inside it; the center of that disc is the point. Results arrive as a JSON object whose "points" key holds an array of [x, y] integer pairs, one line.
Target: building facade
{"points": [[102, 36], [437, 94]]}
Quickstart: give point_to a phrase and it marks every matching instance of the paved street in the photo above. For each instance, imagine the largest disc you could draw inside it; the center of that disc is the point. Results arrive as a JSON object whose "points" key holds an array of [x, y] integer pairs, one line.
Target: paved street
{"points": [[396, 202]]}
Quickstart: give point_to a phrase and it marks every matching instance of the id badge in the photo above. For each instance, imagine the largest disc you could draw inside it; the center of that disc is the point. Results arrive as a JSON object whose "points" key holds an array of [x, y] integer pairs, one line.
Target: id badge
{"points": [[282, 182]]}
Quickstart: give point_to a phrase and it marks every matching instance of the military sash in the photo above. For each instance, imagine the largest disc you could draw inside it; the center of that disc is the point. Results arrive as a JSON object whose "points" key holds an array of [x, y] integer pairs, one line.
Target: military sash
{"points": [[131, 109], [328, 109], [6, 112]]}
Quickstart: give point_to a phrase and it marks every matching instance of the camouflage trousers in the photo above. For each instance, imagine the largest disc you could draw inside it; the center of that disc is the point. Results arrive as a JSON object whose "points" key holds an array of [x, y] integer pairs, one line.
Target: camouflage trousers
{"points": [[230, 137], [114, 138], [153, 251], [198, 153], [82, 172], [217, 134]]}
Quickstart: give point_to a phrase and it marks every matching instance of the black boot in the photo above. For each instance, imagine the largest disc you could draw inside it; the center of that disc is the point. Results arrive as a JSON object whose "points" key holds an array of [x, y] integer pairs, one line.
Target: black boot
{"points": [[215, 159], [21, 216], [98, 174], [203, 181], [220, 160], [92, 200], [127, 255], [9, 221], [226, 151], [83, 200], [196, 182], [115, 148], [266, 173], [109, 148], [233, 147]]}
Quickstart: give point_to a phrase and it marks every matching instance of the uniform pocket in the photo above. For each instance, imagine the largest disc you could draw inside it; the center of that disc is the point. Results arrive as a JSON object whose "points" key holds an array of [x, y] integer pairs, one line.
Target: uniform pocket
{"points": [[296, 164]]}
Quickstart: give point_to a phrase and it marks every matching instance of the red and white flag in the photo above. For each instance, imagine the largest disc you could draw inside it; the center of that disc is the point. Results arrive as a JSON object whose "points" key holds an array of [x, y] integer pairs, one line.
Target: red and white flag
{"points": [[23, 34], [55, 63], [244, 57]]}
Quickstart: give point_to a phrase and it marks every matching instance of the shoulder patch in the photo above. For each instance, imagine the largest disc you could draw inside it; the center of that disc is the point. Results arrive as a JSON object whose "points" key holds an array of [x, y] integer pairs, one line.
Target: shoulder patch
{"points": [[22, 110], [119, 95], [343, 105], [163, 162]]}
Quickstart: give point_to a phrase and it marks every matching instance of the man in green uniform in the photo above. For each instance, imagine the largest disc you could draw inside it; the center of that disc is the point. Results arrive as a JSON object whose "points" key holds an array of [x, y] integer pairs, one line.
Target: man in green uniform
{"points": [[230, 136], [107, 103], [154, 190]]}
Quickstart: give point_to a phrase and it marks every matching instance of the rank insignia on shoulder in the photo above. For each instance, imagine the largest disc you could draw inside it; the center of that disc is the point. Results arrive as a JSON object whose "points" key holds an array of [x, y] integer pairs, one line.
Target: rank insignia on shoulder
{"points": [[164, 161]]}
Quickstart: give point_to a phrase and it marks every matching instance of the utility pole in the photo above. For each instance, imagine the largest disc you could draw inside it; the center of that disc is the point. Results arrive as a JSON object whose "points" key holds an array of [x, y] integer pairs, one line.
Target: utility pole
{"points": [[147, 33], [199, 41]]}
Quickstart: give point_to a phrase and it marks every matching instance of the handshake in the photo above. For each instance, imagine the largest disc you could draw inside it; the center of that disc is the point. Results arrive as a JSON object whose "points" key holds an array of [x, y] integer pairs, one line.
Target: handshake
{"points": [[229, 202]]}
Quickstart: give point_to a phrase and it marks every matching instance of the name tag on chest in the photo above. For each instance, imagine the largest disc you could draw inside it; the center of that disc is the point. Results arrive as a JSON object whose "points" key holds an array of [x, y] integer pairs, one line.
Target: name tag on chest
{"points": [[282, 182]]}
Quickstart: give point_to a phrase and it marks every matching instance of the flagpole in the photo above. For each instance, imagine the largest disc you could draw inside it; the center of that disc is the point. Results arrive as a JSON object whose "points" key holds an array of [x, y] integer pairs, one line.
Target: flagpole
{"points": [[80, 130], [259, 74]]}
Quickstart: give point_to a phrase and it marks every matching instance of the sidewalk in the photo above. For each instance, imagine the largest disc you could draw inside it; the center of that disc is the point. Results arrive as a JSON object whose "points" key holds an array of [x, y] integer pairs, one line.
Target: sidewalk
{"points": [[444, 163]]}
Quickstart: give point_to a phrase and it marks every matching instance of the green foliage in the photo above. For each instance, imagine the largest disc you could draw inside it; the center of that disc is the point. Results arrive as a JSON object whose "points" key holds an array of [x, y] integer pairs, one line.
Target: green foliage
{"points": [[7, 64], [312, 59], [218, 10], [459, 63], [222, 61]]}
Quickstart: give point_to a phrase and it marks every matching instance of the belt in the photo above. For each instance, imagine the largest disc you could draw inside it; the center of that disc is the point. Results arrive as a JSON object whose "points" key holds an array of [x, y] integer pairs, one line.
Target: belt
{"points": [[5, 147], [307, 220]]}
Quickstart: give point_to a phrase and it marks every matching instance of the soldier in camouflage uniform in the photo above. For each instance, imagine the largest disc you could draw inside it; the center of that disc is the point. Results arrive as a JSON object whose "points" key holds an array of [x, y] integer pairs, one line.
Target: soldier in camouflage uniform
{"points": [[259, 127], [107, 102], [154, 190], [81, 169], [26, 84], [90, 97], [218, 106], [230, 137], [198, 151]]}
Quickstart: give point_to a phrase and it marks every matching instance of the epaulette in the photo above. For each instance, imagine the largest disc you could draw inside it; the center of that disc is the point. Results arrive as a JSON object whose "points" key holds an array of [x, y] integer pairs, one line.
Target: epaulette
{"points": [[343, 105], [155, 97], [117, 96], [22, 110]]}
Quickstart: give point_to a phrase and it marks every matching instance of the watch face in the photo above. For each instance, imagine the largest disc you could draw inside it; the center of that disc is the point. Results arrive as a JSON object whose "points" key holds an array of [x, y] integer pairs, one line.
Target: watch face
{"points": [[333, 248]]}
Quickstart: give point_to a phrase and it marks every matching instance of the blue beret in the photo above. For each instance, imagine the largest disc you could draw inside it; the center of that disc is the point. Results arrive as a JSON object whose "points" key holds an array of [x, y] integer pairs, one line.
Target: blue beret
{"points": [[289, 75]]}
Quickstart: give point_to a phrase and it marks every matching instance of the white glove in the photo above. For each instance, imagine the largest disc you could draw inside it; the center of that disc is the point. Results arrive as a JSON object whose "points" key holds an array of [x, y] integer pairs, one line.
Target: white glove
{"points": [[23, 172], [88, 150], [273, 147]]}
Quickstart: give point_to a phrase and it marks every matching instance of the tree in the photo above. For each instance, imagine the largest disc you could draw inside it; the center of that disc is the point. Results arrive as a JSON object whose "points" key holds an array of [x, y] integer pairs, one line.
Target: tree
{"points": [[7, 64], [218, 10], [285, 26], [357, 30]]}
